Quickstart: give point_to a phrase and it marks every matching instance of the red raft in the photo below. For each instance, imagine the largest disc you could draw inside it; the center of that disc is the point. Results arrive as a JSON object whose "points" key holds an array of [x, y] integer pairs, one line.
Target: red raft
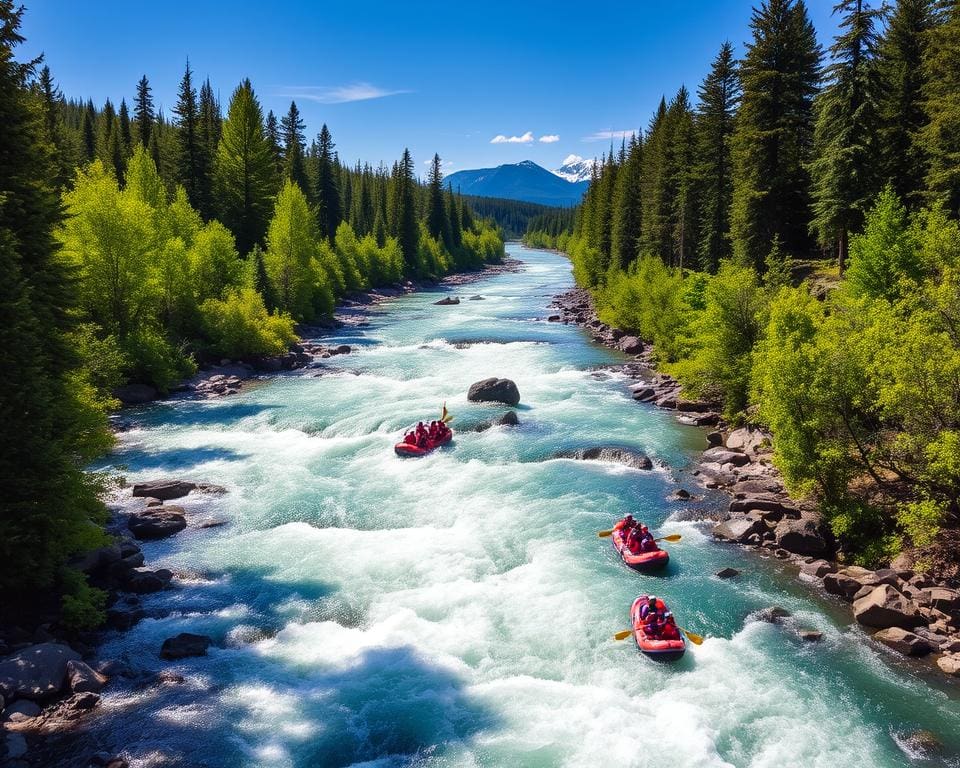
{"points": [[641, 561], [407, 449], [656, 648]]}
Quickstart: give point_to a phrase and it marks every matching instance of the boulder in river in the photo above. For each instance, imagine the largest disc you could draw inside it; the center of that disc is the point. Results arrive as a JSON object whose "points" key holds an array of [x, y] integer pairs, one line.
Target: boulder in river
{"points": [[83, 679], [802, 536], [727, 573], [950, 664], [169, 489], [625, 456], [818, 568], [739, 529], [36, 672], [724, 456], [448, 301], [184, 645], [157, 522], [630, 345], [494, 390], [886, 606]]}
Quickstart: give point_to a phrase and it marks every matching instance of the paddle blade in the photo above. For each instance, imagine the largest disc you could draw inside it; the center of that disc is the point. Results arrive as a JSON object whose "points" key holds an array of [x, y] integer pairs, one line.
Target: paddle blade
{"points": [[445, 417], [604, 534], [623, 635], [671, 537], [693, 637]]}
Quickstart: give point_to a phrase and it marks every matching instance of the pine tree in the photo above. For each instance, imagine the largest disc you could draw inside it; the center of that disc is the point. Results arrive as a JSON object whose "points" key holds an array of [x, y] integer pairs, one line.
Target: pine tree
{"points": [[47, 502], [126, 136], [245, 171], [941, 136], [406, 229], [682, 184], [89, 131], [329, 207], [208, 138], [625, 237], [294, 164], [438, 223], [773, 134], [143, 114], [900, 58], [453, 218], [55, 129], [719, 95], [189, 163], [845, 138], [466, 215], [655, 203], [272, 130], [261, 281]]}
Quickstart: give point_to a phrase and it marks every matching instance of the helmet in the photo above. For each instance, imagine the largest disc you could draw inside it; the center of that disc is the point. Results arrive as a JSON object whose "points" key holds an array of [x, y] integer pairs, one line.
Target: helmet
{"points": [[643, 529], [628, 516]]}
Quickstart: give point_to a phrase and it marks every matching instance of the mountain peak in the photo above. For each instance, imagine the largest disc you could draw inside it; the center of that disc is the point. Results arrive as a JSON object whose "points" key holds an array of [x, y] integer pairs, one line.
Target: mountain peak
{"points": [[524, 181], [576, 168]]}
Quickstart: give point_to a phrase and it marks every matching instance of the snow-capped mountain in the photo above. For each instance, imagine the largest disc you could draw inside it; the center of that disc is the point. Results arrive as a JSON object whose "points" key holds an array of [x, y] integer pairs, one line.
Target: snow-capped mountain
{"points": [[576, 168], [519, 181]]}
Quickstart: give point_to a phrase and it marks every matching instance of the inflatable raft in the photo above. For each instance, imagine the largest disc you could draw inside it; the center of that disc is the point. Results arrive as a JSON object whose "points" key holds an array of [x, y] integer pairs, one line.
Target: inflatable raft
{"points": [[641, 561], [655, 648], [407, 449]]}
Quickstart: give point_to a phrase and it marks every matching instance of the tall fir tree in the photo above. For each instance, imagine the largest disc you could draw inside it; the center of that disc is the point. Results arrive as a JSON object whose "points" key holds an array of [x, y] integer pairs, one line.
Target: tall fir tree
{"points": [[900, 59], [272, 130], [208, 138], [89, 132], [682, 183], [189, 161], [143, 115], [245, 171], [294, 162], [438, 222], [48, 502], [941, 135], [719, 95], [406, 229], [126, 134], [329, 206], [844, 165], [773, 135], [655, 203], [453, 218], [627, 196]]}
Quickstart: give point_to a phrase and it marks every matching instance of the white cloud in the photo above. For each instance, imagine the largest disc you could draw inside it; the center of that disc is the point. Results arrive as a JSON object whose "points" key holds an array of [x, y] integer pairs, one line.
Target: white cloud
{"points": [[527, 138], [609, 135], [338, 94], [549, 138], [443, 163]]}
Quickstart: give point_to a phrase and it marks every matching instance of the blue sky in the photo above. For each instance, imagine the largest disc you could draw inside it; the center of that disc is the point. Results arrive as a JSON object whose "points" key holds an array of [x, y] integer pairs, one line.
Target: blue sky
{"points": [[558, 78]]}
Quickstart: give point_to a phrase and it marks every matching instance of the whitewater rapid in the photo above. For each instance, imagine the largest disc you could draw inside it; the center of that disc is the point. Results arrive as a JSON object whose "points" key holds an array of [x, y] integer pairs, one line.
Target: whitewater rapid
{"points": [[458, 610]]}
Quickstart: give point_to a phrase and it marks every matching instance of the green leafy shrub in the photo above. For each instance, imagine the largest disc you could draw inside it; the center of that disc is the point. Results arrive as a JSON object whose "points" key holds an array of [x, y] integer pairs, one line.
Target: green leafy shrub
{"points": [[240, 326]]}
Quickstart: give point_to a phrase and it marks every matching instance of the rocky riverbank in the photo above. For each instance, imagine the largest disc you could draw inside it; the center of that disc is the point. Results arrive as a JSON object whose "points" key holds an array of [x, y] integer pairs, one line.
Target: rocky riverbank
{"points": [[908, 612]]}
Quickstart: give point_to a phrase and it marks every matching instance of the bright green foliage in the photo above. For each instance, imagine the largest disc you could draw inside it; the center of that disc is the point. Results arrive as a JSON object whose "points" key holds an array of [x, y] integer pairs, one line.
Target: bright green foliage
{"points": [[722, 338], [240, 325], [291, 247], [844, 166], [941, 134], [773, 134], [245, 170], [886, 254], [778, 272], [719, 95], [214, 264]]}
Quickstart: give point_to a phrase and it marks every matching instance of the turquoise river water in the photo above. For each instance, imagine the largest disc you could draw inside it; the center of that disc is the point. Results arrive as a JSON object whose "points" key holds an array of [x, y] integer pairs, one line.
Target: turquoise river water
{"points": [[458, 610]]}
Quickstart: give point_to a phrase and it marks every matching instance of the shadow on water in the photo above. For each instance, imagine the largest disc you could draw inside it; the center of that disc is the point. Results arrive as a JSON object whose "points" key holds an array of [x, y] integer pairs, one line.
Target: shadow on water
{"points": [[199, 413], [136, 458]]}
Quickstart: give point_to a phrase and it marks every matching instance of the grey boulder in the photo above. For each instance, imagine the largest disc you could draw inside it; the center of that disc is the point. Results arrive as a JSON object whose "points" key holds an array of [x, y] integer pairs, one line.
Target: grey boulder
{"points": [[36, 672], [494, 390]]}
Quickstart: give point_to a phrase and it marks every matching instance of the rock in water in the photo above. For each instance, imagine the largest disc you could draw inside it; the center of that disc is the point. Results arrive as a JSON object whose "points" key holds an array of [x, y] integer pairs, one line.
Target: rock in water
{"points": [[36, 672], [904, 641], [83, 679], [448, 301], [157, 522], [509, 419], [494, 390], [727, 573], [165, 490], [185, 645], [885, 607], [625, 456]]}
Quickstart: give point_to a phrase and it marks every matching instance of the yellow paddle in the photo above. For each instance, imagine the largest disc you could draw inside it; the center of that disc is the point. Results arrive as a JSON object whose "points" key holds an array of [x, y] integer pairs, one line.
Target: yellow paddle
{"points": [[671, 537], [692, 636]]}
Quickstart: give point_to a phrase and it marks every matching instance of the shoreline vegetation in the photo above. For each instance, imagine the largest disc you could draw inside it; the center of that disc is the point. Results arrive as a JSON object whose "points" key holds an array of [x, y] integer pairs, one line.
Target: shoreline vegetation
{"points": [[138, 249], [789, 247]]}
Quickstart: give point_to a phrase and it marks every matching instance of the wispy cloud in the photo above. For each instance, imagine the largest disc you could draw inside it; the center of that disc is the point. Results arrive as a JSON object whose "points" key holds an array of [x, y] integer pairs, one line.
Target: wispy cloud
{"points": [[527, 138], [608, 135], [338, 94], [443, 163], [550, 138]]}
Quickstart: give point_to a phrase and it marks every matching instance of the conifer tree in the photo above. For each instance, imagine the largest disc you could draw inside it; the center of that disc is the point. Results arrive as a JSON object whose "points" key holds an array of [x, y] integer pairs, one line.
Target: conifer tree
{"points": [[208, 138], [405, 219], [189, 163], [655, 204], [941, 136], [900, 60], [329, 208], [773, 134], [453, 218], [681, 184], [56, 133], [143, 114], [89, 132], [245, 171], [845, 155], [47, 503], [126, 136], [719, 94], [625, 236], [294, 163], [466, 215], [272, 130], [438, 223]]}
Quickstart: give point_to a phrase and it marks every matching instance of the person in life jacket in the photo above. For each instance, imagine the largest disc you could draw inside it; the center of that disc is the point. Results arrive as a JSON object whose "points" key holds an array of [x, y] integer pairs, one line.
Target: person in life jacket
{"points": [[669, 630], [649, 608], [647, 543], [410, 438], [635, 537], [625, 525], [432, 431]]}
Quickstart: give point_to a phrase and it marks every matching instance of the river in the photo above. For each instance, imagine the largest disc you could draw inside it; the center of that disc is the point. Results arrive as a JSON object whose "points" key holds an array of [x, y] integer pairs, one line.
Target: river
{"points": [[458, 610]]}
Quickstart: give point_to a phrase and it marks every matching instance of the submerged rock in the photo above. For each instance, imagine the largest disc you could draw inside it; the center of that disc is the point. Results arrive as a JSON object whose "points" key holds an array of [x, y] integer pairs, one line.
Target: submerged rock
{"points": [[448, 301], [625, 456], [185, 645], [727, 573], [494, 390]]}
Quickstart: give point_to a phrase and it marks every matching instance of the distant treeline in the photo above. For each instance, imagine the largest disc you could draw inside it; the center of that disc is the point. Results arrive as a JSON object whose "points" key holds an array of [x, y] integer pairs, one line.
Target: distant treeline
{"points": [[131, 244], [515, 217]]}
